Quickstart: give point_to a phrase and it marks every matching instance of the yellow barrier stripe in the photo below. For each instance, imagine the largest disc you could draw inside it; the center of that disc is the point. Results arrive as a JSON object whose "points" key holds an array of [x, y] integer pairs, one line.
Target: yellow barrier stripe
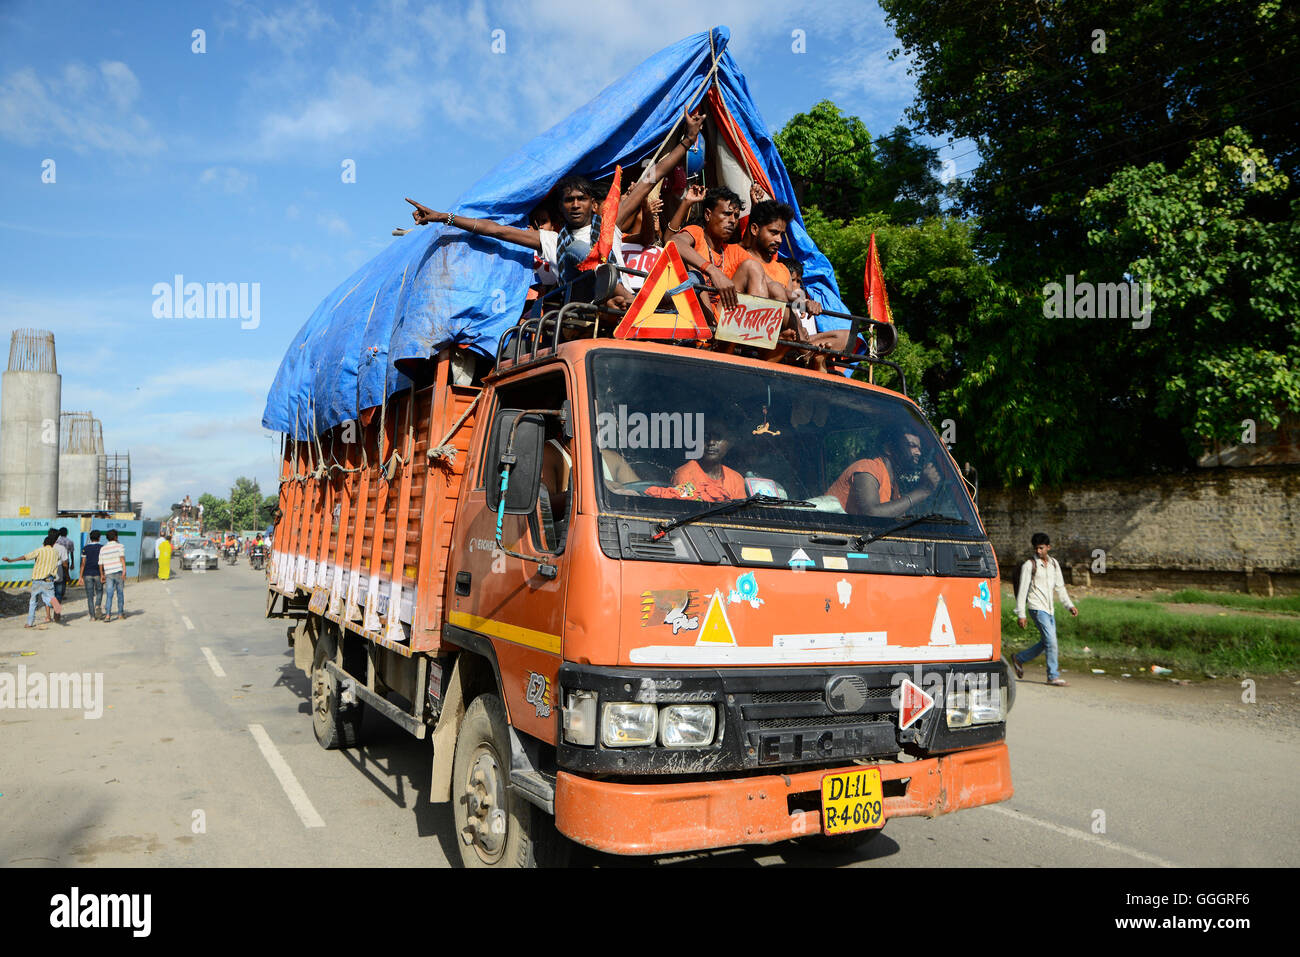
{"points": [[500, 629]]}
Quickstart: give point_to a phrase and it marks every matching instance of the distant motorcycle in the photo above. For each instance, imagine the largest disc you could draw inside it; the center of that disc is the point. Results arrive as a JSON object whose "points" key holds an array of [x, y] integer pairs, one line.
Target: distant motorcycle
{"points": [[258, 557], [232, 554]]}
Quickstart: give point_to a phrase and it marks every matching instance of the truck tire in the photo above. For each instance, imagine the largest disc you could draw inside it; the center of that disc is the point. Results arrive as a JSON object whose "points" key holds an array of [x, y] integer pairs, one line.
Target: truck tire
{"points": [[495, 827], [335, 725]]}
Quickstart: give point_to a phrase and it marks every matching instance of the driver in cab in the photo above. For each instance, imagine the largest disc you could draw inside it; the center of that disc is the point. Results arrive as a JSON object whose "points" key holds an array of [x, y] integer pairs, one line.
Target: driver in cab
{"points": [[871, 486]]}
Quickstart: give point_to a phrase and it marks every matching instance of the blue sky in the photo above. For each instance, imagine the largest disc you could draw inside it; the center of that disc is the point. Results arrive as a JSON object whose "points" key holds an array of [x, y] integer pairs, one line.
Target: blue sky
{"points": [[225, 166]]}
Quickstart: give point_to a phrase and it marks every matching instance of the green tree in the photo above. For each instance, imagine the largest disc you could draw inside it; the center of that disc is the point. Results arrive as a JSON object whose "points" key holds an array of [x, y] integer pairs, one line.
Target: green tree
{"points": [[267, 512], [216, 512], [245, 500], [835, 165], [1074, 106]]}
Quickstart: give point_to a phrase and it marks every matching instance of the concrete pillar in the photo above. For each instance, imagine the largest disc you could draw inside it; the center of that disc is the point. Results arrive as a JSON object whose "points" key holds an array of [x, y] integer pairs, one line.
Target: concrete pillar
{"points": [[29, 428]]}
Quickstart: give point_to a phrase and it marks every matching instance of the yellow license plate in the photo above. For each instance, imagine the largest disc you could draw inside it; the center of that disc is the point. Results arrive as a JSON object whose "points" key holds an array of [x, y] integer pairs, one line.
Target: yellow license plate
{"points": [[852, 801]]}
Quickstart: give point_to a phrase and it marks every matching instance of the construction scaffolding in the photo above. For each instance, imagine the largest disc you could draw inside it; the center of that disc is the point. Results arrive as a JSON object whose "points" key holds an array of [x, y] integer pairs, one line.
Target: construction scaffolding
{"points": [[117, 482]]}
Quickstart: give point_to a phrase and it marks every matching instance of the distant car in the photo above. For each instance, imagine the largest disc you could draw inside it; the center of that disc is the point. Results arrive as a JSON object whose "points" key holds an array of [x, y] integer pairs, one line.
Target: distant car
{"points": [[199, 553]]}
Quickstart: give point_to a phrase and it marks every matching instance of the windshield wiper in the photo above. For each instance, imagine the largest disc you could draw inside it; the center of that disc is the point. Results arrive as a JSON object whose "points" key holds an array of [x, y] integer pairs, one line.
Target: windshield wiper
{"points": [[663, 528], [863, 541]]}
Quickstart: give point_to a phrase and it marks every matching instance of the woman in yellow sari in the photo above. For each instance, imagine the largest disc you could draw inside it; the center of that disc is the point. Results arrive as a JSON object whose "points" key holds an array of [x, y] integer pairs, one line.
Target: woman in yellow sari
{"points": [[164, 558]]}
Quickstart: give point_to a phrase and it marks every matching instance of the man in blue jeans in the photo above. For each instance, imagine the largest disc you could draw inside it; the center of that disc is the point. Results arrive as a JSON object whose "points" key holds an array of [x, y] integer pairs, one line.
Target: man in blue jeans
{"points": [[90, 575], [1041, 582]]}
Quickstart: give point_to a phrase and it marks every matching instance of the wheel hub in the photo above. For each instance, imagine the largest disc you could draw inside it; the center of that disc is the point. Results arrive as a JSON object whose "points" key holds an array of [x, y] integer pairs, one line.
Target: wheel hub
{"points": [[485, 805]]}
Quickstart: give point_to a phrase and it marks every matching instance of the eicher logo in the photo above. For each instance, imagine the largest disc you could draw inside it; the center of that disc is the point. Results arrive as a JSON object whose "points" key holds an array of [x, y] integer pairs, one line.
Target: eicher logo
{"points": [[55, 691], [213, 300], [75, 909], [658, 430]]}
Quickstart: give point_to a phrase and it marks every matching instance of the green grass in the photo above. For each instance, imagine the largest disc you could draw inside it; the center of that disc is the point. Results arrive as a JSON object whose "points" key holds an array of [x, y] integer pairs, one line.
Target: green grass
{"points": [[1288, 605], [1133, 635]]}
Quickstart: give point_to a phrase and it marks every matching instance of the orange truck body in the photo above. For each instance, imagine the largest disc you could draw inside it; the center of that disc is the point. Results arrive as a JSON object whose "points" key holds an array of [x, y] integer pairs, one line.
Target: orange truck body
{"points": [[386, 540]]}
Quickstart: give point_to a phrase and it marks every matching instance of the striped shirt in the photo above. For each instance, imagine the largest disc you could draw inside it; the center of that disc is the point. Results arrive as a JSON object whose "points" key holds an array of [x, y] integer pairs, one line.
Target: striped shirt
{"points": [[112, 559], [45, 562]]}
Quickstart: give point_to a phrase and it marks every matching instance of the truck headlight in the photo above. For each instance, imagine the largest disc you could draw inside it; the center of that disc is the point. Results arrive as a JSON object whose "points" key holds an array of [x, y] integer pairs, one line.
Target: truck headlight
{"points": [[687, 725], [580, 717], [627, 725], [985, 704]]}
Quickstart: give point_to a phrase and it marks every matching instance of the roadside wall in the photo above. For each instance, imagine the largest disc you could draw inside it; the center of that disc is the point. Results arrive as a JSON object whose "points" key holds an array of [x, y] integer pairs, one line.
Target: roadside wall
{"points": [[1227, 529]]}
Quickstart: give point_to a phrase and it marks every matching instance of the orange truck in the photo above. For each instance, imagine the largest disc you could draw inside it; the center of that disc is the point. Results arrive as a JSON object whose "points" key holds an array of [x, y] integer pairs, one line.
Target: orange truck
{"points": [[720, 601]]}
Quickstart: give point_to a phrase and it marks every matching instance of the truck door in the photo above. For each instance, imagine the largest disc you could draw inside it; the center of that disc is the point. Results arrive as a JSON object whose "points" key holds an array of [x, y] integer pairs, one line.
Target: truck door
{"points": [[518, 603]]}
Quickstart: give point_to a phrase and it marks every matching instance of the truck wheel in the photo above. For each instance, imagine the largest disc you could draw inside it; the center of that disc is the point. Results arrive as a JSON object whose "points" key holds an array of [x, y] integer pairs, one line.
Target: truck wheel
{"points": [[496, 827], [335, 725]]}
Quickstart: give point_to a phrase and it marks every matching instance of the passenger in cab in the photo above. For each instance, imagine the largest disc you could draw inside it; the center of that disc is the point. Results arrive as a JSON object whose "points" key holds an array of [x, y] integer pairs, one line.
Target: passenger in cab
{"points": [[579, 209], [870, 486]]}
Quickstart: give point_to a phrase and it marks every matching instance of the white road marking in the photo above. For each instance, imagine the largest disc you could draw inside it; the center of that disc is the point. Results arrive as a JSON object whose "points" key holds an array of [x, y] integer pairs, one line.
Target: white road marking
{"points": [[189, 625], [1081, 836], [169, 590], [212, 662], [292, 789]]}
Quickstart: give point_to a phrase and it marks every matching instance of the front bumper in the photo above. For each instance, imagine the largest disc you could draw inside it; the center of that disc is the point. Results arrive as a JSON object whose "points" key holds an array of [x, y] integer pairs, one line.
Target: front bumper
{"points": [[652, 818]]}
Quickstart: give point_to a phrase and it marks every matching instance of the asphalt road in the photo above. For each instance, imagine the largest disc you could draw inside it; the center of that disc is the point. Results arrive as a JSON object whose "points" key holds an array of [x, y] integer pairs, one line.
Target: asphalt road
{"points": [[203, 755]]}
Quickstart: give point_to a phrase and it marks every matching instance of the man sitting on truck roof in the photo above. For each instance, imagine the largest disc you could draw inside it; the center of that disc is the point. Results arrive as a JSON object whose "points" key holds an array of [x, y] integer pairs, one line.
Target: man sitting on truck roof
{"points": [[702, 245], [579, 207]]}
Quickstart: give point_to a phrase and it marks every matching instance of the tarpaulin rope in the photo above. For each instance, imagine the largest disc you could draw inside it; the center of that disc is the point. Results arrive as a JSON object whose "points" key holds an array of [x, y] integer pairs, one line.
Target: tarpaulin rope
{"points": [[704, 85], [444, 450]]}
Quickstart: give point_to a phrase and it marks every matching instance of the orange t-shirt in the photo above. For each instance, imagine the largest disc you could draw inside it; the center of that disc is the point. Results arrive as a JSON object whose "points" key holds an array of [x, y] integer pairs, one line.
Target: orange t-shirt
{"points": [[696, 232], [692, 482], [873, 467], [735, 254]]}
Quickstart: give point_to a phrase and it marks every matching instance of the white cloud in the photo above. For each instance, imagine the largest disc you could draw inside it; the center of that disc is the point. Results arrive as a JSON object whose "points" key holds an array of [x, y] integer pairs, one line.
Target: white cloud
{"points": [[332, 223], [78, 107], [291, 27], [229, 178]]}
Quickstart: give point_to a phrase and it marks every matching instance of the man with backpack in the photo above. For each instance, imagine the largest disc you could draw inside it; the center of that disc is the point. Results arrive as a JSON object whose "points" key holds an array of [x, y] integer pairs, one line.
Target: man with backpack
{"points": [[1041, 581]]}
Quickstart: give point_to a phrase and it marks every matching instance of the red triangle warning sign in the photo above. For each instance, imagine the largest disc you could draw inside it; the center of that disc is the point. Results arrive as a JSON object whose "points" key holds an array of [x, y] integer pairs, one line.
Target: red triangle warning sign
{"points": [[912, 703], [685, 321]]}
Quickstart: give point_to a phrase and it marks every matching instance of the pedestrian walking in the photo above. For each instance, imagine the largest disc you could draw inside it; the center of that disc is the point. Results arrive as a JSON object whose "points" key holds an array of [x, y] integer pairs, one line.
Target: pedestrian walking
{"points": [[112, 571], [90, 576], [45, 566], [62, 545], [164, 558], [1041, 582]]}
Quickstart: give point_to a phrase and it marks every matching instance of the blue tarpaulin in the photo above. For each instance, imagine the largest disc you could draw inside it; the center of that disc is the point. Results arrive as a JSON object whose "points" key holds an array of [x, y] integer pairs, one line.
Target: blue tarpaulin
{"points": [[438, 286]]}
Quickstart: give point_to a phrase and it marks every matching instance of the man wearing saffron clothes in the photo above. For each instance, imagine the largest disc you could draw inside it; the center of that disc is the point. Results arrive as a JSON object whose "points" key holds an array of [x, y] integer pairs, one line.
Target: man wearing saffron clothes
{"points": [[707, 480], [579, 206], [702, 245], [870, 486]]}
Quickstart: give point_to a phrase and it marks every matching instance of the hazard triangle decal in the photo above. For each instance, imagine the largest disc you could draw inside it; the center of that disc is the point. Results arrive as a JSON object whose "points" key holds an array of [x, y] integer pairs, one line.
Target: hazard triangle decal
{"points": [[912, 703], [716, 629], [685, 321]]}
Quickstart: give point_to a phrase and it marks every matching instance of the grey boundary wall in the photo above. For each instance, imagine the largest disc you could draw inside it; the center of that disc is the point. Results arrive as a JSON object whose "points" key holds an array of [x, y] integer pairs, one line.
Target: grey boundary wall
{"points": [[1225, 529]]}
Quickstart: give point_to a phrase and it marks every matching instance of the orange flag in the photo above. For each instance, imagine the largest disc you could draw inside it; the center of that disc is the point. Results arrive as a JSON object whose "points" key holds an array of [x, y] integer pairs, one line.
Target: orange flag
{"points": [[608, 221], [873, 287]]}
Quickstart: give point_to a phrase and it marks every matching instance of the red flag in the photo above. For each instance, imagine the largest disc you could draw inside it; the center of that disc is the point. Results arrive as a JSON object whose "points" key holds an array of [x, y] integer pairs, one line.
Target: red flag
{"points": [[873, 287], [608, 220]]}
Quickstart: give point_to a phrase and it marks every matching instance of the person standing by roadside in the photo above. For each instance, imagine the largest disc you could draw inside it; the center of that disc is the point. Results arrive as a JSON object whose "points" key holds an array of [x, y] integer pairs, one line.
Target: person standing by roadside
{"points": [[1041, 581], [45, 566], [164, 558], [90, 575], [112, 571], [64, 547]]}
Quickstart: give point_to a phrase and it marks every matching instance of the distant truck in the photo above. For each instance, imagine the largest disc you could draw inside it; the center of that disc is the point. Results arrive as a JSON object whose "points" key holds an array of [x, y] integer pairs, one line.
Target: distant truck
{"points": [[655, 673]]}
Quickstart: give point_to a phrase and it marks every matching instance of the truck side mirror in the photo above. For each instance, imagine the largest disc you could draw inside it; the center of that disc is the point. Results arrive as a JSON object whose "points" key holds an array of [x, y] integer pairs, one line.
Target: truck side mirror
{"points": [[523, 460]]}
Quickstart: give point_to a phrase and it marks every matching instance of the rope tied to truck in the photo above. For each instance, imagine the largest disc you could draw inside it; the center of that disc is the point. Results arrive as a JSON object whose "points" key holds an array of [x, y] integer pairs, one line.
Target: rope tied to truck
{"points": [[445, 453]]}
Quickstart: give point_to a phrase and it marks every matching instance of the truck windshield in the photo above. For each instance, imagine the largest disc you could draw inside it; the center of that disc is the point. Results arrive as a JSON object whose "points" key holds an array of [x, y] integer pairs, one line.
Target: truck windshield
{"points": [[674, 434]]}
